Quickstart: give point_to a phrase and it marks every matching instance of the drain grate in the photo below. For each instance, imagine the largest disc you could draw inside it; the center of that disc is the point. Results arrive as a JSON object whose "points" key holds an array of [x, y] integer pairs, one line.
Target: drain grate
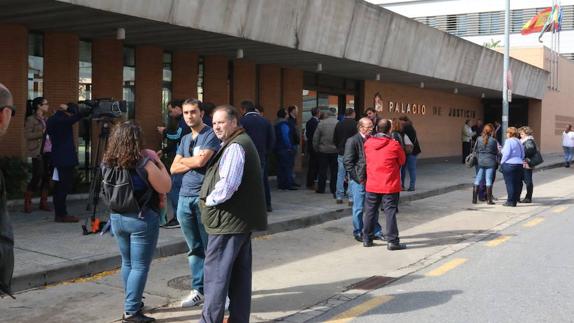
{"points": [[371, 283]]}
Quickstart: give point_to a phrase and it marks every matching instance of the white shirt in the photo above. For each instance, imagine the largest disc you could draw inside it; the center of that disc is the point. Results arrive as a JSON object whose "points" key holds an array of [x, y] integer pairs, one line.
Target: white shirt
{"points": [[568, 139]]}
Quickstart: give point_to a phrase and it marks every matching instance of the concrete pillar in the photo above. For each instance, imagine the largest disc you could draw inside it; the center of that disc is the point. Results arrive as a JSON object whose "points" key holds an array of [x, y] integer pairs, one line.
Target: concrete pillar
{"points": [[149, 75], [244, 81], [61, 66], [215, 82], [184, 75], [107, 68], [270, 90], [14, 75]]}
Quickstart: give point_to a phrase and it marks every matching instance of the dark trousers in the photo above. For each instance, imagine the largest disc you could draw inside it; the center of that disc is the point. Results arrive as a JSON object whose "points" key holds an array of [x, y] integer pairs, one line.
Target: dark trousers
{"points": [[227, 271], [312, 168], [527, 178], [390, 204], [465, 150], [61, 190], [327, 161], [284, 169], [513, 179], [41, 173], [265, 169]]}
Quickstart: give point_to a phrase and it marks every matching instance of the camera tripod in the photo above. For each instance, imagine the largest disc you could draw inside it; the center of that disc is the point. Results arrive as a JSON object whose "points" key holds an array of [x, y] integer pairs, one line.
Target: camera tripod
{"points": [[92, 223]]}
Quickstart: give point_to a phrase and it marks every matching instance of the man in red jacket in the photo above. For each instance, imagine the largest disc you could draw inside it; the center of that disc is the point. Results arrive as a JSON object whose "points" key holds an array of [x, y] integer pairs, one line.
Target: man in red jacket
{"points": [[384, 158]]}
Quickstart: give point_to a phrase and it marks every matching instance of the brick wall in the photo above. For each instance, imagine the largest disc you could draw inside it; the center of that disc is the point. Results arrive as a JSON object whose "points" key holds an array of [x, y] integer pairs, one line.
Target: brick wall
{"points": [[61, 68], [107, 68], [14, 75], [244, 81], [184, 75], [149, 71], [270, 90], [215, 85]]}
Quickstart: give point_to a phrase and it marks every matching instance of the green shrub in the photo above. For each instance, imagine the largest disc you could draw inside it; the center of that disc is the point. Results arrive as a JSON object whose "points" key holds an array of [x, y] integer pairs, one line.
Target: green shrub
{"points": [[16, 172]]}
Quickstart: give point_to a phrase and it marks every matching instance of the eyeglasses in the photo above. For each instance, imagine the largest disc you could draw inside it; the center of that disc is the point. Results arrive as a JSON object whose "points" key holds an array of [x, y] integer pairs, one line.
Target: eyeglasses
{"points": [[11, 107]]}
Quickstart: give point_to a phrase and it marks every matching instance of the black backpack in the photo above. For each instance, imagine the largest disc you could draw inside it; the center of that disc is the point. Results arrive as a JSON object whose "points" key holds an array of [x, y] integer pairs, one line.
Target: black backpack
{"points": [[118, 189]]}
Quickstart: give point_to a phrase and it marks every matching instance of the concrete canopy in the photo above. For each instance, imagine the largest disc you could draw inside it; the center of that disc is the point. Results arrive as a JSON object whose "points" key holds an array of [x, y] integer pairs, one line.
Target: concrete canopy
{"points": [[351, 38]]}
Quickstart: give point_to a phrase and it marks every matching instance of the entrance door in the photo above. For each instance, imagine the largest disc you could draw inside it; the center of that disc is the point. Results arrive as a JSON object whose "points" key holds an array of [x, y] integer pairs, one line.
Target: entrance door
{"points": [[517, 116]]}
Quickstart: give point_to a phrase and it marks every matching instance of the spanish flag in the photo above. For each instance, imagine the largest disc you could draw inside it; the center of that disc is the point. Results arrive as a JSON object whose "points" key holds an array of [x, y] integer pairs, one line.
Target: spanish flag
{"points": [[536, 23]]}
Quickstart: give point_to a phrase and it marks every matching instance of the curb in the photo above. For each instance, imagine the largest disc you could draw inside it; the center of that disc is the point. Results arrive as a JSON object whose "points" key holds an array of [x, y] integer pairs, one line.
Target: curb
{"points": [[84, 268]]}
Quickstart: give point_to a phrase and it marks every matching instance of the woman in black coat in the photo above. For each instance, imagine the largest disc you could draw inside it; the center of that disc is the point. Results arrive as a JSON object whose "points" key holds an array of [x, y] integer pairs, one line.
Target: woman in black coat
{"points": [[530, 150]]}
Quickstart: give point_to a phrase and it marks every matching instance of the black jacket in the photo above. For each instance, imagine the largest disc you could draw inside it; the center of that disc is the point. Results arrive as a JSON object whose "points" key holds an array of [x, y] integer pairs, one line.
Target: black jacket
{"points": [[6, 243], [344, 130], [310, 128], [354, 159], [261, 133], [529, 148], [60, 128], [410, 131]]}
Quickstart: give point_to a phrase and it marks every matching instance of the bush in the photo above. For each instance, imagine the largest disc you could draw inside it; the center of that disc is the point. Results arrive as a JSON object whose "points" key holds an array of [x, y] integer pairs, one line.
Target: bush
{"points": [[15, 172]]}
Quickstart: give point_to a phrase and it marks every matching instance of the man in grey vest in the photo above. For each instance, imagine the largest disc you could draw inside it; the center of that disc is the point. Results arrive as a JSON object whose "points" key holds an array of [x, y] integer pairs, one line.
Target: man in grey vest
{"points": [[232, 182]]}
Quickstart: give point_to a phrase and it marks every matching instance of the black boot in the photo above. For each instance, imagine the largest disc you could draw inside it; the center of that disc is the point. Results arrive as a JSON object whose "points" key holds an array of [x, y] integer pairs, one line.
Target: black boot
{"points": [[489, 195], [528, 197], [474, 194], [138, 317]]}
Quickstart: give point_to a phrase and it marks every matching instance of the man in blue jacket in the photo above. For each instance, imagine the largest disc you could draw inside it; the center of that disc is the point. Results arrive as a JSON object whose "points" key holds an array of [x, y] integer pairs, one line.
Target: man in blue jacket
{"points": [[261, 133], [64, 156]]}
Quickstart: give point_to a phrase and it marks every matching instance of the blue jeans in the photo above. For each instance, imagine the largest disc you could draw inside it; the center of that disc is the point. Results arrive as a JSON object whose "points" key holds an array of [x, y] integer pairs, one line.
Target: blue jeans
{"points": [[568, 153], [484, 173], [513, 179], [284, 169], [411, 166], [173, 195], [189, 217], [341, 173], [358, 193], [137, 239]]}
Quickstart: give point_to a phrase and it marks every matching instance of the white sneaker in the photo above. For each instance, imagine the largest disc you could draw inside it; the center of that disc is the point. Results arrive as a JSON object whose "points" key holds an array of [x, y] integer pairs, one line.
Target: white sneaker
{"points": [[193, 299]]}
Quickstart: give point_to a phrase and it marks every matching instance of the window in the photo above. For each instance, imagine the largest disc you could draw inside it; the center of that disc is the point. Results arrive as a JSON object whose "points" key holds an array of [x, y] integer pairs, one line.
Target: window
{"points": [[200, 71], [491, 23], [166, 91], [85, 93], [461, 25], [451, 23], [35, 65], [129, 88]]}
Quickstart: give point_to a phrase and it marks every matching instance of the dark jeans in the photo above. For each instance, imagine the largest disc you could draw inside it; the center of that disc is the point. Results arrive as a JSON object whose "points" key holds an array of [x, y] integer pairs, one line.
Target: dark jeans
{"points": [[513, 179], [61, 190], [527, 178], [327, 161], [189, 217], [228, 269], [265, 176], [284, 169], [137, 239], [313, 168], [465, 150], [372, 204], [41, 173]]}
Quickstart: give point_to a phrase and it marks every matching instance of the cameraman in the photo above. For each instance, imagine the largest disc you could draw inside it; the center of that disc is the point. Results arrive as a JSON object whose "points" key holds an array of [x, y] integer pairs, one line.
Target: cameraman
{"points": [[64, 157]]}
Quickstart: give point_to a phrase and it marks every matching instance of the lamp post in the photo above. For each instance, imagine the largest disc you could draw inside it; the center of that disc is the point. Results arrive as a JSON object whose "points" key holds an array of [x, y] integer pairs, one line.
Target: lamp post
{"points": [[505, 70]]}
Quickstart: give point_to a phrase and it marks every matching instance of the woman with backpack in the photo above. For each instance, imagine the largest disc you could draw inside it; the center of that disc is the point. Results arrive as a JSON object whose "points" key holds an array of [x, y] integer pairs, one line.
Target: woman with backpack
{"points": [[134, 209], [530, 150], [486, 149]]}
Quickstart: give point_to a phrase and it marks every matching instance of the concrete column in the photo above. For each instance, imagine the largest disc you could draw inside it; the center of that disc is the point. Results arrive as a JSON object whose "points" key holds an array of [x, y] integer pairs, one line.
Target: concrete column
{"points": [[149, 75], [107, 68], [215, 84], [184, 75], [61, 68], [244, 81], [270, 90], [14, 75]]}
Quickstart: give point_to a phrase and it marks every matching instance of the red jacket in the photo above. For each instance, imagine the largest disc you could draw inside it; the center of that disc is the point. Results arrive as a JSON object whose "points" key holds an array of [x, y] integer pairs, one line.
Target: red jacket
{"points": [[384, 158]]}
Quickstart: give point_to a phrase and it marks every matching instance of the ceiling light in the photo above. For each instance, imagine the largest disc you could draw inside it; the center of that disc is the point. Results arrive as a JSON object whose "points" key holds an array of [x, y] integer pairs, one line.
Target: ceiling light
{"points": [[319, 67], [239, 54]]}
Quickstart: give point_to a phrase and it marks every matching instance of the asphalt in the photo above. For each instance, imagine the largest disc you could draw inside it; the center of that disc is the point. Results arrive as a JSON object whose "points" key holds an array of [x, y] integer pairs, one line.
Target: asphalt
{"points": [[48, 253]]}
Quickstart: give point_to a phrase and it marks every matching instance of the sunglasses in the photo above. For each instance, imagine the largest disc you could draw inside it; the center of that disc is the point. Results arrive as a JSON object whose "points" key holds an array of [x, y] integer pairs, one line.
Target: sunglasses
{"points": [[11, 107]]}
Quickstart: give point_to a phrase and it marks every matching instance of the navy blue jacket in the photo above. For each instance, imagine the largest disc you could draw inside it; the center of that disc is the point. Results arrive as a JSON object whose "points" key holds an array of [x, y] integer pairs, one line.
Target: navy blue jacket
{"points": [[60, 129], [260, 131], [310, 128]]}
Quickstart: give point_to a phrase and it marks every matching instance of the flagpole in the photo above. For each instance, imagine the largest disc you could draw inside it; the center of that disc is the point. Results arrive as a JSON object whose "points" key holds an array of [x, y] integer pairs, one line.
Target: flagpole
{"points": [[505, 68]]}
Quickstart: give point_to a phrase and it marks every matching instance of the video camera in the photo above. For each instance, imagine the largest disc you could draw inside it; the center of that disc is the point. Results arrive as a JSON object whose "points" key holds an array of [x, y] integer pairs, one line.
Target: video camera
{"points": [[103, 108]]}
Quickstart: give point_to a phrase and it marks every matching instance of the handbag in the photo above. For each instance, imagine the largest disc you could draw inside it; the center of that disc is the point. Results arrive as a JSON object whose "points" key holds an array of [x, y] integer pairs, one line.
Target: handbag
{"points": [[535, 160], [471, 160], [409, 146]]}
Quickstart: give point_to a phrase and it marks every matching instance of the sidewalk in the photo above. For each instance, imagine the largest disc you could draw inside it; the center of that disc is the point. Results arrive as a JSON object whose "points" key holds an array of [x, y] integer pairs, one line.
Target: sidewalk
{"points": [[48, 252]]}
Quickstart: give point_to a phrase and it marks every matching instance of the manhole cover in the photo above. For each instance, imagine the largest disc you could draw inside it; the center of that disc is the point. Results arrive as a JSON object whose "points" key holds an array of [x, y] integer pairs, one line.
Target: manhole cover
{"points": [[181, 283]]}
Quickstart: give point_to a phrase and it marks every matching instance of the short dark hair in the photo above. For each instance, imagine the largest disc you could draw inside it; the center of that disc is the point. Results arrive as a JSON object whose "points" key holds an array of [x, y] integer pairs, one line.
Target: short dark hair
{"points": [[175, 103], [349, 112], [370, 109], [192, 101], [208, 108], [315, 111], [281, 114], [291, 108], [384, 126], [232, 113], [248, 106]]}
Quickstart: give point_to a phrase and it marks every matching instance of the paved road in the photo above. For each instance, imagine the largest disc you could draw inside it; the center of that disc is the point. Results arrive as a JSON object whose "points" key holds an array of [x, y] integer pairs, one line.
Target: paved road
{"points": [[521, 274]]}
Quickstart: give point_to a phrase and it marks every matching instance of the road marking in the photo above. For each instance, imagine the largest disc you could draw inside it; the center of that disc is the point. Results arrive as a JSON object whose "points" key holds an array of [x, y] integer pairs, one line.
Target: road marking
{"points": [[560, 209], [446, 267], [497, 241], [532, 223], [360, 309]]}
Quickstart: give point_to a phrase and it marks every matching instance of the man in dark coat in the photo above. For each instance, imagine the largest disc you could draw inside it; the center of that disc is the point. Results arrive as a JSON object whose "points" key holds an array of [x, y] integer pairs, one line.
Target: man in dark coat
{"points": [[64, 157], [7, 111], [344, 130], [261, 133], [313, 160]]}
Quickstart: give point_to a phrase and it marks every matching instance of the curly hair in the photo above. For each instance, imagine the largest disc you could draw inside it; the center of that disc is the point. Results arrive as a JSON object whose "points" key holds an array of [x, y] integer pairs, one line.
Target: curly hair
{"points": [[124, 145]]}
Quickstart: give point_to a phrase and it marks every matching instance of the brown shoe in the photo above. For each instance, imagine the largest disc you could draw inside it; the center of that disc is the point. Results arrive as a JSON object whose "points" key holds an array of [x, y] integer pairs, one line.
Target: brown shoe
{"points": [[44, 202], [66, 219], [28, 202]]}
